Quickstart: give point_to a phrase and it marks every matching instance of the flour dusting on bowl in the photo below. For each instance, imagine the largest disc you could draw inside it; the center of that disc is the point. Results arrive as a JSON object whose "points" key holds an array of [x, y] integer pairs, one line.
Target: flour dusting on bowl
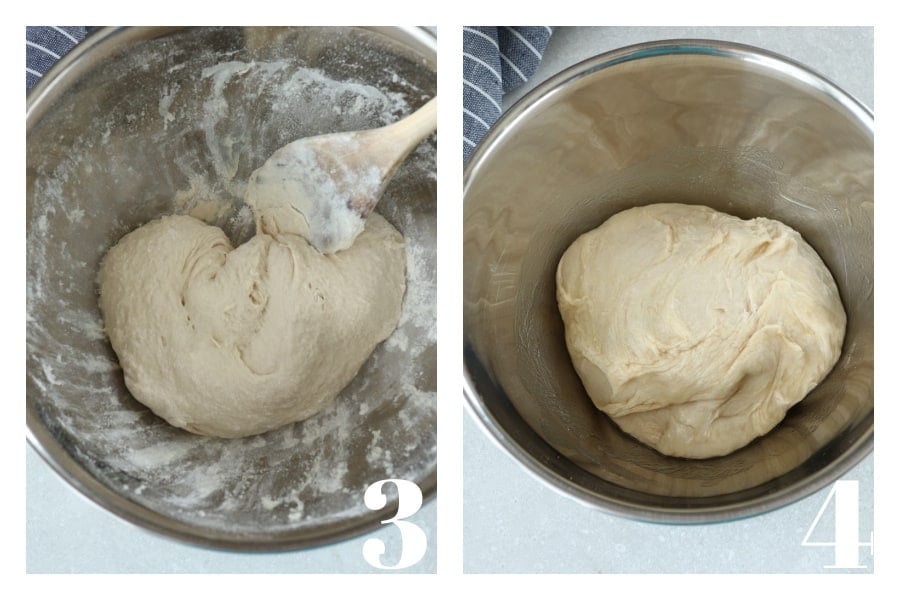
{"points": [[176, 124]]}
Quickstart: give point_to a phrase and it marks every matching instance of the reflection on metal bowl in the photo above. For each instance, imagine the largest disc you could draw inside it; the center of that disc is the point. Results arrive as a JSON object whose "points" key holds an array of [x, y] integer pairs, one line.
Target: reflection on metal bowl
{"points": [[729, 126]]}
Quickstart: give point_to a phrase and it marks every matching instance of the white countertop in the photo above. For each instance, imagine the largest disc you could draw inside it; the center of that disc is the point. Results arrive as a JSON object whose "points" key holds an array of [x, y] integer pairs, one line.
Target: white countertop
{"points": [[513, 523]]}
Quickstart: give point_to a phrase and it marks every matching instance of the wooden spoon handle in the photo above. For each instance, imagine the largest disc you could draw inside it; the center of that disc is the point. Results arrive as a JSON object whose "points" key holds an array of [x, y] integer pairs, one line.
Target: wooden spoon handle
{"points": [[405, 134]]}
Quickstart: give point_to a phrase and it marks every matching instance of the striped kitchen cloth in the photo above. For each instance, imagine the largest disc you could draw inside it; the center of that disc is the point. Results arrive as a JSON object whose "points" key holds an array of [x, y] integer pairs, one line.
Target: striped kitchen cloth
{"points": [[46, 45], [496, 60]]}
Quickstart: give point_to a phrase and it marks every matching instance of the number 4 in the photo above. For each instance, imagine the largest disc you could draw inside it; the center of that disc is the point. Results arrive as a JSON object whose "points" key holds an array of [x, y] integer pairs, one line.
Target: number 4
{"points": [[846, 544]]}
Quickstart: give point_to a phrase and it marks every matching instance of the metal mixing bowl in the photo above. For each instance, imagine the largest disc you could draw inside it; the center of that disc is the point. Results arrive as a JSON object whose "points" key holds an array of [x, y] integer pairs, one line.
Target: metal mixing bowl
{"points": [[140, 122], [702, 122]]}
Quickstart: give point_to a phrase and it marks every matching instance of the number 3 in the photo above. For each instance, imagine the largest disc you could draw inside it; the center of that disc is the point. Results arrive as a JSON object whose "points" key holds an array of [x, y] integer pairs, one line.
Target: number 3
{"points": [[412, 538]]}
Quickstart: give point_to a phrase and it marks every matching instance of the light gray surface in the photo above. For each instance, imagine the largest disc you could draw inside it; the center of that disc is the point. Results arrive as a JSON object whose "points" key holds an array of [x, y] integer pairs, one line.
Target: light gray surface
{"points": [[515, 524], [842, 54], [66, 533]]}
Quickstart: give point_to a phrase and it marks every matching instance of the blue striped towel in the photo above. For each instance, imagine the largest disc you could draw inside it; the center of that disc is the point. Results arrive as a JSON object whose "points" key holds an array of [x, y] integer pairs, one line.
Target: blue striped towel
{"points": [[46, 45], [496, 60]]}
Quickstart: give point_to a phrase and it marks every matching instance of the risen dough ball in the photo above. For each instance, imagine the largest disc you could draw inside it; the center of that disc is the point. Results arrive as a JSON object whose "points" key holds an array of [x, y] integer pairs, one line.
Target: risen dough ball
{"points": [[694, 330], [230, 342]]}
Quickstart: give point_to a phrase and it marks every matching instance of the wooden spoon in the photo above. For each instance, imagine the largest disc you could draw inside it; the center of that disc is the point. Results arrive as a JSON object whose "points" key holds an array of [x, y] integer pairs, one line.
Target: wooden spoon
{"points": [[324, 187]]}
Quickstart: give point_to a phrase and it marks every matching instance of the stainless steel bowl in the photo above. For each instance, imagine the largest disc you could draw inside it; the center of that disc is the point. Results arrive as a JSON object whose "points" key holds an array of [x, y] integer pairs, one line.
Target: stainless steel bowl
{"points": [[140, 122], [730, 126]]}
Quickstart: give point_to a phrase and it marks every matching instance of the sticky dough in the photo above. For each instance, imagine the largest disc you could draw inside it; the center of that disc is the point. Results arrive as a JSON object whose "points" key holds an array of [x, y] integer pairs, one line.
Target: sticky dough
{"points": [[232, 342], [695, 331]]}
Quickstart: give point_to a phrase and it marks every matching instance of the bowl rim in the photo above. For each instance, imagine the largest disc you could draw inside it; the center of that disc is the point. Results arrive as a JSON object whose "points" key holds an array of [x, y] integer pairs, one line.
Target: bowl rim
{"points": [[46, 445], [475, 407]]}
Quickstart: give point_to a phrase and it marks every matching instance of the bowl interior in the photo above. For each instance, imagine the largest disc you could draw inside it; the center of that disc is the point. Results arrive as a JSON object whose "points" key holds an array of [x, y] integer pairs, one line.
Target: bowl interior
{"points": [[730, 128], [151, 121]]}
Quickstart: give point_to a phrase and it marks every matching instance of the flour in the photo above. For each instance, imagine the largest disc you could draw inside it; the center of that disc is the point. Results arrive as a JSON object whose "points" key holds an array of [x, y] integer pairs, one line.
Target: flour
{"points": [[198, 143]]}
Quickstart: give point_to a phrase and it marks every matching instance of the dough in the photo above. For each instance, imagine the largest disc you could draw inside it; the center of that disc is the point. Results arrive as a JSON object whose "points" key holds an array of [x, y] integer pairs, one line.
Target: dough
{"points": [[232, 342], [324, 205], [696, 331]]}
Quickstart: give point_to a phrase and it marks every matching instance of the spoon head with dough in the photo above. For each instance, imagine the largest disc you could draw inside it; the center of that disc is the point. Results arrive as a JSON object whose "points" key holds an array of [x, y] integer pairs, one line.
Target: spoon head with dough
{"points": [[324, 187], [315, 188]]}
